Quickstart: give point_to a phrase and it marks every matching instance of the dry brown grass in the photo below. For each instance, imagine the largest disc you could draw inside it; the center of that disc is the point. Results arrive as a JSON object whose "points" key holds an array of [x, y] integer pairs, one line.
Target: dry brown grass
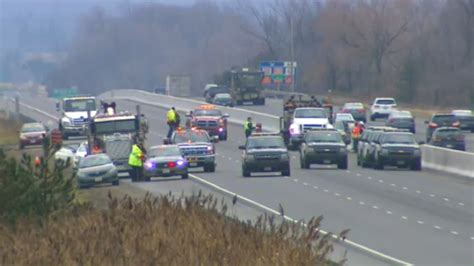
{"points": [[8, 131], [161, 231]]}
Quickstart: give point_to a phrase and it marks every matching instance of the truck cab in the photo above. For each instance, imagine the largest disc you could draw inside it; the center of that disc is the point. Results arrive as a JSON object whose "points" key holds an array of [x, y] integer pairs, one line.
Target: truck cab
{"points": [[246, 86], [74, 118]]}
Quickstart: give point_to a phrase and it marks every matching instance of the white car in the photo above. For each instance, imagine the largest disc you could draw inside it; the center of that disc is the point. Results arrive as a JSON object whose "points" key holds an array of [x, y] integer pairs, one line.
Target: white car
{"points": [[462, 112], [382, 107], [81, 152], [344, 117], [304, 119], [66, 153]]}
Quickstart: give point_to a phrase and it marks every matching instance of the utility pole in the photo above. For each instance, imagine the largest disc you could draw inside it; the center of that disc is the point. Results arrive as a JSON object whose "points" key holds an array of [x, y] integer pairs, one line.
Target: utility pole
{"points": [[292, 53]]}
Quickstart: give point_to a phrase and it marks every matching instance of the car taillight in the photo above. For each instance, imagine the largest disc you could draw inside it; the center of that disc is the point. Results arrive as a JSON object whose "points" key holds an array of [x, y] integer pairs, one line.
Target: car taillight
{"points": [[432, 125], [361, 111], [456, 124], [459, 137], [171, 164]]}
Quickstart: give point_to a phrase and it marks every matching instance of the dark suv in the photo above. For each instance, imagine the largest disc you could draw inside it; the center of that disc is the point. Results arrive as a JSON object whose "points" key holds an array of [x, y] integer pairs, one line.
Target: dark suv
{"points": [[440, 120], [397, 149], [323, 147], [265, 152], [448, 137]]}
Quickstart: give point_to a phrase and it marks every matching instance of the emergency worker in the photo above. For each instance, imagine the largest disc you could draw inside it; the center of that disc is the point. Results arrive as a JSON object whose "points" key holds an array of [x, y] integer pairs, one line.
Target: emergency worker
{"points": [[248, 127], [356, 132], [135, 160], [171, 121]]}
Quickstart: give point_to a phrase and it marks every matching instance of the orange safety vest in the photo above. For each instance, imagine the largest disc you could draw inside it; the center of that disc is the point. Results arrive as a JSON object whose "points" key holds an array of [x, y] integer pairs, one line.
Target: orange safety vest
{"points": [[356, 132]]}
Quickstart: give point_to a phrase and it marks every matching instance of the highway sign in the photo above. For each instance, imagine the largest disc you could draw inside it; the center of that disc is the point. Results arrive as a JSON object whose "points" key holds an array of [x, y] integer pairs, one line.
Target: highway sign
{"points": [[278, 74], [65, 93]]}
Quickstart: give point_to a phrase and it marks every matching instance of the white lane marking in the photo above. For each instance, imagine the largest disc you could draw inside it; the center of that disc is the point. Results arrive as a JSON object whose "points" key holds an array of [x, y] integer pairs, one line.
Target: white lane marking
{"points": [[432, 195], [454, 233], [305, 184], [294, 157], [393, 185], [326, 190], [404, 217], [361, 203], [337, 194], [286, 177], [461, 204], [348, 171], [446, 199], [295, 180], [348, 198], [420, 222], [315, 187], [418, 192], [369, 177], [230, 158], [472, 237], [236, 161], [437, 227], [405, 188], [388, 212], [380, 181], [375, 207], [358, 174], [259, 205]]}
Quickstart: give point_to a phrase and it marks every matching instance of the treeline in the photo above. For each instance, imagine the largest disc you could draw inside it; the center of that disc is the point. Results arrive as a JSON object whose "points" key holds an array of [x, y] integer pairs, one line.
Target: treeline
{"points": [[416, 50]]}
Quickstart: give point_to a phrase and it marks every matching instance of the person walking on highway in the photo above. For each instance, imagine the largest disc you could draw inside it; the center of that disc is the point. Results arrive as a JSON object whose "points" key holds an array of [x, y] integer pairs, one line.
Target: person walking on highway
{"points": [[135, 160], [356, 132], [248, 127], [171, 121]]}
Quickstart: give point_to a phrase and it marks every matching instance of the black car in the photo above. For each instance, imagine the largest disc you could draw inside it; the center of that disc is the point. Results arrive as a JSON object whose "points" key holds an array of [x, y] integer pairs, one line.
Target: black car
{"points": [[401, 120], [466, 119], [398, 149], [448, 137], [265, 152], [357, 110], [323, 147], [224, 99], [440, 120]]}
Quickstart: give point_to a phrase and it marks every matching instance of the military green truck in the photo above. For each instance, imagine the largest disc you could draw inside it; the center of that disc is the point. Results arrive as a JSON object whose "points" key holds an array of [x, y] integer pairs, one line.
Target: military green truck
{"points": [[245, 86]]}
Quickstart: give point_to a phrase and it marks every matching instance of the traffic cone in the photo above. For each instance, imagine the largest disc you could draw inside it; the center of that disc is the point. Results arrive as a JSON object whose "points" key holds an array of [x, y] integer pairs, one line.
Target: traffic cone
{"points": [[37, 161]]}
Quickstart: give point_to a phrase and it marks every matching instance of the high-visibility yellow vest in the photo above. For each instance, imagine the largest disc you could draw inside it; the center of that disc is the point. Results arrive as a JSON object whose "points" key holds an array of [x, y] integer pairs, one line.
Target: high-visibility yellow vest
{"points": [[171, 116], [135, 158]]}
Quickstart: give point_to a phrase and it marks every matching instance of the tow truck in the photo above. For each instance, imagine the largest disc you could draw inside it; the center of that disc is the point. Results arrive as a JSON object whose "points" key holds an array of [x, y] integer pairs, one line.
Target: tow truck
{"points": [[74, 115], [207, 117], [114, 134], [301, 113]]}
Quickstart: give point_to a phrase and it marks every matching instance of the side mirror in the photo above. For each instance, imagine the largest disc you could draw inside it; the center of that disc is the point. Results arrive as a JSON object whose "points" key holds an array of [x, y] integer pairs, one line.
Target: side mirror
{"points": [[58, 107], [166, 141], [225, 115], [215, 139], [241, 147]]}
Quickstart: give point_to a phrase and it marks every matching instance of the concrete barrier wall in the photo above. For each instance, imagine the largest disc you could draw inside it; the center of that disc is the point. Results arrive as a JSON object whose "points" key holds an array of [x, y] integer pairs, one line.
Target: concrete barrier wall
{"points": [[447, 160], [441, 159]]}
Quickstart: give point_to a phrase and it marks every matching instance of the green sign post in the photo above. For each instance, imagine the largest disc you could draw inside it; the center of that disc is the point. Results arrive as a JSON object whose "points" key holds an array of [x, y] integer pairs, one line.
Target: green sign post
{"points": [[65, 93]]}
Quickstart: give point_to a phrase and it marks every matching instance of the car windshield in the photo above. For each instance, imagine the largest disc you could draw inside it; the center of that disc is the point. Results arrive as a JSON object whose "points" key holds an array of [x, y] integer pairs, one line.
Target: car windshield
{"points": [[448, 133], [79, 105], [353, 106], [385, 101], [217, 90], [344, 117], [32, 128], [109, 127], [94, 160], [340, 125], [191, 137], [223, 96], [323, 137], [444, 119], [265, 143], [250, 80], [398, 139], [202, 112], [310, 113], [164, 151]]}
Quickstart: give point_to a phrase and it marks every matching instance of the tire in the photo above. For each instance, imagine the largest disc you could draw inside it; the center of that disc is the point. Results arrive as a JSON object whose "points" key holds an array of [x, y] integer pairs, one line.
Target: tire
{"points": [[22, 146], [416, 166], [358, 160], [116, 182], [210, 168], [185, 176], [245, 172], [305, 164], [342, 164], [372, 118], [472, 130], [262, 101], [286, 172], [65, 136], [379, 165]]}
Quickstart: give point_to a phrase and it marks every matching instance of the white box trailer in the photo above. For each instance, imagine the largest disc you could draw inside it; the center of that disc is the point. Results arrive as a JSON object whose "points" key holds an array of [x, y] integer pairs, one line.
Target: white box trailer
{"points": [[178, 85]]}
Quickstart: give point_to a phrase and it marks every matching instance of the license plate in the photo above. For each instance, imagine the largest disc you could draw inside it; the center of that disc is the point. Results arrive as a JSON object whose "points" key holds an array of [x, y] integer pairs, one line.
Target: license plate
{"points": [[385, 107], [191, 160], [267, 169], [166, 171], [327, 161], [193, 164], [449, 146], [98, 179], [32, 141], [400, 162]]}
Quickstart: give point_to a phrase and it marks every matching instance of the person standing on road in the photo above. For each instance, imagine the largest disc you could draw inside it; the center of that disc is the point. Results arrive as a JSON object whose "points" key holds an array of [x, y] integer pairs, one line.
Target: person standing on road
{"points": [[248, 127], [171, 121], [135, 161], [356, 132]]}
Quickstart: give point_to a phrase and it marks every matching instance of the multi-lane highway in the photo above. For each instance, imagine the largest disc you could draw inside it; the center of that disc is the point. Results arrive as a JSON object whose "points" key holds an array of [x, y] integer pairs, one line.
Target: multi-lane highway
{"points": [[421, 217]]}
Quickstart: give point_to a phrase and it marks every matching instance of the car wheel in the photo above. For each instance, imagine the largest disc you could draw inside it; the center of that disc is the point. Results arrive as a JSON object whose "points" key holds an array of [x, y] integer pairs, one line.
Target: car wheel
{"points": [[342, 164], [379, 165], [210, 168], [416, 166], [472, 130], [286, 172], [185, 176], [245, 172], [358, 161], [116, 182], [372, 118]]}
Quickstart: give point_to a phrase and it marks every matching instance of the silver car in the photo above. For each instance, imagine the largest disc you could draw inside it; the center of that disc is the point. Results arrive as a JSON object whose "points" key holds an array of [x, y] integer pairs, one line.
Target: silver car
{"points": [[96, 169]]}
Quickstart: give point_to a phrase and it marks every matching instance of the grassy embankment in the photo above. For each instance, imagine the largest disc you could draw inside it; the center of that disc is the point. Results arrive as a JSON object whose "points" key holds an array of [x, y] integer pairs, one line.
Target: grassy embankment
{"points": [[150, 231]]}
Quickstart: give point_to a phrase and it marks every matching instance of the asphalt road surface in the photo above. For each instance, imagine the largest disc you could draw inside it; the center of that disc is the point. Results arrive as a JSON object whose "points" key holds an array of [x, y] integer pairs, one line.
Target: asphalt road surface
{"points": [[421, 217]]}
